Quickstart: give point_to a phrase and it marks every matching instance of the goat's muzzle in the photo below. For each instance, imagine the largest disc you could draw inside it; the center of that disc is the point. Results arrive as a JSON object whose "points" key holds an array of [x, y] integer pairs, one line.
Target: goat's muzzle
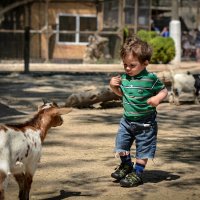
{"points": [[57, 121], [60, 121]]}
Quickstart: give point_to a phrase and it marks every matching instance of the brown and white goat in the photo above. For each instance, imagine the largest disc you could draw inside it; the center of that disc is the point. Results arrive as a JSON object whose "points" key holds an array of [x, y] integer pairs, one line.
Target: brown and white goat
{"points": [[21, 145]]}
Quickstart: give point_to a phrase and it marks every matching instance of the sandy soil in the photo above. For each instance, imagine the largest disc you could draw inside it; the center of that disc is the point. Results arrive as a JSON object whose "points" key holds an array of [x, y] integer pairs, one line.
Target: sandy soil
{"points": [[78, 157]]}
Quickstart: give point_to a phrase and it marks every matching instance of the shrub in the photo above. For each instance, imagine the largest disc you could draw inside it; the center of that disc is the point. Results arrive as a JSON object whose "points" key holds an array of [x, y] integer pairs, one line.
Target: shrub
{"points": [[146, 35], [163, 48]]}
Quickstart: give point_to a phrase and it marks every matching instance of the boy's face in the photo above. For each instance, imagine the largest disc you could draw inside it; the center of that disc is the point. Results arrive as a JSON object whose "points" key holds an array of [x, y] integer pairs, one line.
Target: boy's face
{"points": [[132, 65]]}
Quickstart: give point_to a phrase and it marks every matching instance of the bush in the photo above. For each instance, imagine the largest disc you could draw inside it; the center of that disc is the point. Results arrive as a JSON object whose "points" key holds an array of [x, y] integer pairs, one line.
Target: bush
{"points": [[146, 35], [163, 48]]}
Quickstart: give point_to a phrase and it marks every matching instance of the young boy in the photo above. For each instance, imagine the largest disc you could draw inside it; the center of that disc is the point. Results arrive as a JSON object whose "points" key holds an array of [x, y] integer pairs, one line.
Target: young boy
{"points": [[141, 92]]}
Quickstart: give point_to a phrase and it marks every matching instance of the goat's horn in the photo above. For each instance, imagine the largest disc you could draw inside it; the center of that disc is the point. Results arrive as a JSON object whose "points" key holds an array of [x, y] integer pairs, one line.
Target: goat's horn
{"points": [[44, 101], [63, 111]]}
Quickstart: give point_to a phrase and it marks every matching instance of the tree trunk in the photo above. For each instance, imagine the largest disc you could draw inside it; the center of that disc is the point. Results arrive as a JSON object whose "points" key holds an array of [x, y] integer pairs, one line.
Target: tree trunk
{"points": [[88, 98]]}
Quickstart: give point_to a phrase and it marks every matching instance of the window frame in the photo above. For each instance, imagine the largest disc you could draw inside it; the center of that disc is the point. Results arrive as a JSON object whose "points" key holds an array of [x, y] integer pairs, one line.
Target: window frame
{"points": [[77, 31]]}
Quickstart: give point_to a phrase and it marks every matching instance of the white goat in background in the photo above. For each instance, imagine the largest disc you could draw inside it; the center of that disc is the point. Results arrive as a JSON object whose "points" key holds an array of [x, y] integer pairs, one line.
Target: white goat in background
{"points": [[183, 83]]}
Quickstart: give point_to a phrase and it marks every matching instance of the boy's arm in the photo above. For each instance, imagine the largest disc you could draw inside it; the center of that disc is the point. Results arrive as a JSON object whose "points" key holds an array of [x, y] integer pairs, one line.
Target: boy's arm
{"points": [[155, 100], [115, 85], [116, 90], [162, 94]]}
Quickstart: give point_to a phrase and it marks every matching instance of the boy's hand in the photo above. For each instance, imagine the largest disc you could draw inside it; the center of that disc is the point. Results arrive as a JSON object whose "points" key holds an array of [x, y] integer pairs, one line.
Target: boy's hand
{"points": [[153, 101], [115, 85], [115, 81]]}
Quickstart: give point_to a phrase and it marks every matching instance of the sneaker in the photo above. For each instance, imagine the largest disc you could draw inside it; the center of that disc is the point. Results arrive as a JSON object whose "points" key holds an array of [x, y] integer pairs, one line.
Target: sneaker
{"points": [[122, 171], [131, 180]]}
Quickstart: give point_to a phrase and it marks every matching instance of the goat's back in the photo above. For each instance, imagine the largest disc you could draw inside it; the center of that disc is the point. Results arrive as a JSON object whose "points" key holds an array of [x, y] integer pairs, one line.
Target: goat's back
{"points": [[183, 82], [18, 147]]}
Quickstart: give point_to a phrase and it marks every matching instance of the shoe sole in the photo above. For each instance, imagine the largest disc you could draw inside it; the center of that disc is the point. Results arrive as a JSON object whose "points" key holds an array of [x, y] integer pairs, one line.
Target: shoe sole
{"points": [[123, 184], [117, 178]]}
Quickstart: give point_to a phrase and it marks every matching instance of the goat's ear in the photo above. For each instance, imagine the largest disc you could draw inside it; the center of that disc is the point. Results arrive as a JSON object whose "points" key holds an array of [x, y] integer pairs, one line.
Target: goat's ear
{"points": [[44, 101], [63, 110], [39, 108]]}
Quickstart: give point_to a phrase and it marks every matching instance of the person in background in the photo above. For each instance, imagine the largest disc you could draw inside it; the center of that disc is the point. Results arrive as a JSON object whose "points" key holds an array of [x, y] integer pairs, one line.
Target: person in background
{"points": [[197, 45], [154, 28], [165, 32]]}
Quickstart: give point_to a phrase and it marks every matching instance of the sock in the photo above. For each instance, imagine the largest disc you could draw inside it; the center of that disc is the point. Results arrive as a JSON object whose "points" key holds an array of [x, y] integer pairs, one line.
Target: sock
{"points": [[139, 168], [126, 160]]}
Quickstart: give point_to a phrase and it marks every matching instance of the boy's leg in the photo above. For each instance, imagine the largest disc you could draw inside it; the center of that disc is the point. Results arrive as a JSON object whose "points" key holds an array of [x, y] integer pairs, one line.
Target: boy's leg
{"points": [[139, 168], [126, 158], [145, 148], [125, 167], [123, 143], [140, 165]]}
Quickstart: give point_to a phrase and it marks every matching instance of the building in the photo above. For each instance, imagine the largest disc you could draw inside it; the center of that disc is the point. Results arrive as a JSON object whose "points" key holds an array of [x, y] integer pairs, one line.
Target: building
{"points": [[58, 30]]}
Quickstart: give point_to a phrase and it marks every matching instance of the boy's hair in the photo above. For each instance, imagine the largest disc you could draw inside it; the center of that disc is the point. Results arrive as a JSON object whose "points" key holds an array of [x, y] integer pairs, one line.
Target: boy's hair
{"points": [[142, 50]]}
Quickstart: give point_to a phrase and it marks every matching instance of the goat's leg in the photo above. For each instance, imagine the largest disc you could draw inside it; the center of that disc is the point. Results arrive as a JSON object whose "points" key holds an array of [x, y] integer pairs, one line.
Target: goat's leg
{"points": [[24, 181], [2, 179], [171, 98], [27, 184], [176, 101], [176, 97], [20, 178], [196, 95]]}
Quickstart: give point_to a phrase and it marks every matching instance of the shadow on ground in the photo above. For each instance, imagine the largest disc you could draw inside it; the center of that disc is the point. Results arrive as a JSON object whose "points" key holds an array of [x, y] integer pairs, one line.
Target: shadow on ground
{"points": [[64, 194], [178, 137]]}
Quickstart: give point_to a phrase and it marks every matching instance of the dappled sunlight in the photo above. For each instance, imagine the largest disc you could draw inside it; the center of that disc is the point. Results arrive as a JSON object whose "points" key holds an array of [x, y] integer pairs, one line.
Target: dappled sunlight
{"points": [[179, 134], [78, 158]]}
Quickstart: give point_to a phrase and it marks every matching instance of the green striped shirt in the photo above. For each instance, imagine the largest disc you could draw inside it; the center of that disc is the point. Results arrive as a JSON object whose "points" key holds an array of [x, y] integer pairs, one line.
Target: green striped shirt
{"points": [[136, 91]]}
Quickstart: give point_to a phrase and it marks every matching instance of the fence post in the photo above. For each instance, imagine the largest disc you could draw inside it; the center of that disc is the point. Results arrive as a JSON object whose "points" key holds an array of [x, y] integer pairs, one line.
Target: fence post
{"points": [[26, 49], [27, 39], [175, 30]]}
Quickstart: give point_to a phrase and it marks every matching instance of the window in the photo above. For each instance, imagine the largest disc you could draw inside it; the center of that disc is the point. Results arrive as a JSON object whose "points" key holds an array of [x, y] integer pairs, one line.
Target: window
{"points": [[111, 9], [87, 24], [143, 13], [67, 23], [129, 11], [75, 29]]}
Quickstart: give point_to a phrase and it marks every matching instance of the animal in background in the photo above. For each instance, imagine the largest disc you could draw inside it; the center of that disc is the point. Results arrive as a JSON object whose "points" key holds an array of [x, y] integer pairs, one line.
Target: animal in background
{"points": [[184, 83]]}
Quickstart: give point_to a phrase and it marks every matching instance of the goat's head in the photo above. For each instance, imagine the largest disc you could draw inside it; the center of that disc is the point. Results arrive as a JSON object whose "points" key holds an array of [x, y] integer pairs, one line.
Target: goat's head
{"points": [[51, 114]]}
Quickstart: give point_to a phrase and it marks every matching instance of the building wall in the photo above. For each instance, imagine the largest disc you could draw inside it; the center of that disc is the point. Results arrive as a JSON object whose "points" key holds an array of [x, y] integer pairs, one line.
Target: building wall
{"points": [[57, 50], [190, 19]]}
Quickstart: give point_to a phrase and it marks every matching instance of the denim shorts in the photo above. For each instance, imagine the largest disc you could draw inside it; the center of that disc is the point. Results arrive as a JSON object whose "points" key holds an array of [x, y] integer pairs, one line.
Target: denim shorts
{"points": [[143, 132]]}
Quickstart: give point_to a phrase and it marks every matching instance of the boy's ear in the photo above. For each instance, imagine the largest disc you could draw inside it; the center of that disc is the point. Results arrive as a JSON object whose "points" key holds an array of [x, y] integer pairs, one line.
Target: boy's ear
{"points": [[146, 62]]}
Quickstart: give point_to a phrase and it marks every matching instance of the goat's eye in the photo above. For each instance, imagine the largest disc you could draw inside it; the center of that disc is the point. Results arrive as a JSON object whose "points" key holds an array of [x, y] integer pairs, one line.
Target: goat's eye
{"points": [[54, 104]]}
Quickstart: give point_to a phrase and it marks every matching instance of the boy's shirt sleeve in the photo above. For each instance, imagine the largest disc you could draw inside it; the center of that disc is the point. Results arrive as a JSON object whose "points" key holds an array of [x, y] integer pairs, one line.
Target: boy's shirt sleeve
{"points": [[158, 85]]}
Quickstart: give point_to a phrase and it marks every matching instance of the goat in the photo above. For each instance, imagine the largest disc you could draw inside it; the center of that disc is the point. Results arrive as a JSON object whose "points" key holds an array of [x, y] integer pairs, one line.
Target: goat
{"points": [[21, 145], [186, 83], [197, 84]]}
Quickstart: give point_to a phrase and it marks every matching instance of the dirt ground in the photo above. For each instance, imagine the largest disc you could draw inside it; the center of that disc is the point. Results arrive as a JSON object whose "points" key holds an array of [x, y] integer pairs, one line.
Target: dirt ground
{"points": [[78, 157]]}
